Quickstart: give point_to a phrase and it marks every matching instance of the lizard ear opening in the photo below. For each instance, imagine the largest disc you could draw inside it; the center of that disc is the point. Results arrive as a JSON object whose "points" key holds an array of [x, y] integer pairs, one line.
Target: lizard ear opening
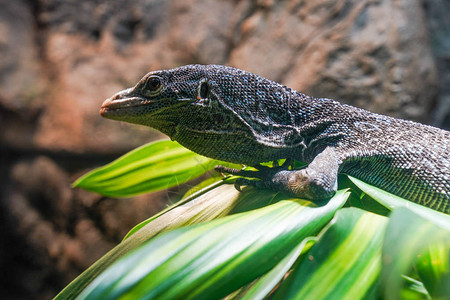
{"points": [[203, 90]]}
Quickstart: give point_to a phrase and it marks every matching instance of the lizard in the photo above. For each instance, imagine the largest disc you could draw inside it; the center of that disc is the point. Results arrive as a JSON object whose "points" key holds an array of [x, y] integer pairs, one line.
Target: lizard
{"points": [[236, 116]]}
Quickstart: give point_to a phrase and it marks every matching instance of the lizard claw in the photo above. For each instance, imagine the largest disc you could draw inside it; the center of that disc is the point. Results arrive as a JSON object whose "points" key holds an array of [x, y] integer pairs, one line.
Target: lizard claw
{"points": [[246, 182], [238, 186]]}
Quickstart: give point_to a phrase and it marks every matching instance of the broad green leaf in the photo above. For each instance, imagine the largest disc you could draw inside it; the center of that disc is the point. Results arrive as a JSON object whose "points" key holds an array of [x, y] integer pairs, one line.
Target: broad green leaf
{"points": [[262, 287], [207, 184], [152, 167], [410, 236], [344, 263], [213, 204], [433, 267], [219, 201], [213, 201], [210, 260], [392, 201], [360, 199], [182, 206]]}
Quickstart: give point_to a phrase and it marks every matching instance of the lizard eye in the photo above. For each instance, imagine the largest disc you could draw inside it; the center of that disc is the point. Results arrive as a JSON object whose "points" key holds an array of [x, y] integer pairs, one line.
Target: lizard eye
{"points": [[203, 90], [153, 83]]}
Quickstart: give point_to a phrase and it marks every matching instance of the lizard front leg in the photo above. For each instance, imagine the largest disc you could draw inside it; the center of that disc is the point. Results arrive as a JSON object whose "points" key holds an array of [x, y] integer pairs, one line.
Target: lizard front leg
{"points": [[317, 181]]}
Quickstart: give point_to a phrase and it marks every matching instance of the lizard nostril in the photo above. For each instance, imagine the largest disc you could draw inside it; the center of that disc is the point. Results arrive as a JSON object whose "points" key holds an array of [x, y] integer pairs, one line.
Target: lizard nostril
{"points": [[107, 102], [115, 97]]}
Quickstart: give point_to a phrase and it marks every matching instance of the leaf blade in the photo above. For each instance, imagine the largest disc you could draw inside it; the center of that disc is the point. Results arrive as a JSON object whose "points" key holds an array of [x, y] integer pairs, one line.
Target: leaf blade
{"points": [[232, 251], [408, 235], [349, 251], [151, 167]]}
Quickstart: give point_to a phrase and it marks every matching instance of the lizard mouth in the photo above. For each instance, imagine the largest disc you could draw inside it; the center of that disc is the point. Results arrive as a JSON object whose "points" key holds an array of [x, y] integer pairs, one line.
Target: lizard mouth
{"points": [[116, 105]]}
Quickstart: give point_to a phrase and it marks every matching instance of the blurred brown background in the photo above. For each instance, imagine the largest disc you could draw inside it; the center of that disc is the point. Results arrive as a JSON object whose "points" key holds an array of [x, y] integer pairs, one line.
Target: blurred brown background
{"points": [[59, 59]]}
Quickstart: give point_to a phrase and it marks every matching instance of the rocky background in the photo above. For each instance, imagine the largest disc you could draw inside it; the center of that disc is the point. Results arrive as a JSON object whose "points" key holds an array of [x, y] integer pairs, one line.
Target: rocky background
{"points": [[59, 59]]}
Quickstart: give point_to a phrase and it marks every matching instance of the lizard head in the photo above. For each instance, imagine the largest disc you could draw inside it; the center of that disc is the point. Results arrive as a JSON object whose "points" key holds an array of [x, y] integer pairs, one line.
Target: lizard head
{"points": [[216, 111], [158, 100]]}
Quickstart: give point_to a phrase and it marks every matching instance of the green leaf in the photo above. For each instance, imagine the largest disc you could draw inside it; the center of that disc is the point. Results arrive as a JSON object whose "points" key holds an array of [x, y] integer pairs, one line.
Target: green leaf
{"points": [[212, 202], [152, 167], [210, 260], [392, 201], [219, 201], [410, 236], [360, 199], [262, 287], [344, 263], [433, 267]]}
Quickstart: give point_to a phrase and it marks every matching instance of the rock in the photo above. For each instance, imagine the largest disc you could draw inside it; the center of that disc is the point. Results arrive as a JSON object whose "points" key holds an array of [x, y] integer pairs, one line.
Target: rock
{"points": [[438, 22], [21, 85], [365, 53]]}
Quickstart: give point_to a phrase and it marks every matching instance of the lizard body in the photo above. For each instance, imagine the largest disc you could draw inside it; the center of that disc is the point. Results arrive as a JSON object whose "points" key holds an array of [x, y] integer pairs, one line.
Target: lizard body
{"points": [[236, 116]]}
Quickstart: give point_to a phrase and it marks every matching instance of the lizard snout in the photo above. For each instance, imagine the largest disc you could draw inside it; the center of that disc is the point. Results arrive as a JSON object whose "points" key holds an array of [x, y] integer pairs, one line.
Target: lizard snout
{"points": [[106, 104], [118, 100]]}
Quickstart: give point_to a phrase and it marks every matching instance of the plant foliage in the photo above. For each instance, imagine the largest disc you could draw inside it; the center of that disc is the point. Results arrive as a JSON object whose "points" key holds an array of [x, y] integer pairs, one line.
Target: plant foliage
{"points": [[217, 242]]}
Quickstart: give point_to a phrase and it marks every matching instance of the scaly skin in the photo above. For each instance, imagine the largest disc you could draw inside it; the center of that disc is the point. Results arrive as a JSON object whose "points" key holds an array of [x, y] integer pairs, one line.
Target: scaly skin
{"points": [[236, 116]]}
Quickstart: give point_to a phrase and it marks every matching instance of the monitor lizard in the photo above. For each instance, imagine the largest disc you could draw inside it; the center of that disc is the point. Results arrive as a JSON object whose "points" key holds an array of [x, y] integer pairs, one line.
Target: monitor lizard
{"points": [[236, 116]]}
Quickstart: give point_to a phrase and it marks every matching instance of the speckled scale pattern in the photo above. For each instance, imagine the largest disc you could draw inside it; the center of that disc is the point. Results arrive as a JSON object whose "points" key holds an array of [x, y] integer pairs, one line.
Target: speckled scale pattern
{"points": [[249, 119]]}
